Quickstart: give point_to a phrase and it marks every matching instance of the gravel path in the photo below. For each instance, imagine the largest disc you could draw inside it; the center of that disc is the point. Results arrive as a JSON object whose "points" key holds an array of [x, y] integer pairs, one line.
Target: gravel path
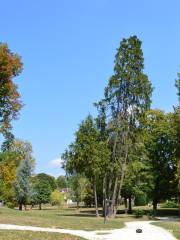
{"points": [[150, 232]]}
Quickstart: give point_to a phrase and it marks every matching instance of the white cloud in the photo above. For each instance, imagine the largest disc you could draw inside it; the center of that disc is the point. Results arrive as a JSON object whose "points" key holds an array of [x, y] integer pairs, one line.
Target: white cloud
{"points": [[58, 162]]}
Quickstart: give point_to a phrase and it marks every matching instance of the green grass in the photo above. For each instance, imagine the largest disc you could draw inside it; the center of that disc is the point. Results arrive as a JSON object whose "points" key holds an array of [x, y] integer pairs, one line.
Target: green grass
{"points": [[27, 235], [173, 227], [67, 218]]}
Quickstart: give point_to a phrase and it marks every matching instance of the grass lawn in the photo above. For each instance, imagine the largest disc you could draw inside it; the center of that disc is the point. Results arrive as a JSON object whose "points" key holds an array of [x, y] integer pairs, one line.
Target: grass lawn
{"points": [[27, 235], [173, 227], [67, 218]]}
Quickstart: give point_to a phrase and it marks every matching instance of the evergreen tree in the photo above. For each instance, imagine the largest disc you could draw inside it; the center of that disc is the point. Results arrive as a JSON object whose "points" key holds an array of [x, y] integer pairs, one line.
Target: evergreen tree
{"points": [[127, 97], [22, 183]]}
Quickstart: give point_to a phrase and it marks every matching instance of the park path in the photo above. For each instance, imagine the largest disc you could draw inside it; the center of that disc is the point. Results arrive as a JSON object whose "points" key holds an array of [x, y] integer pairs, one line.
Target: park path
{"points": [[150, 232]]}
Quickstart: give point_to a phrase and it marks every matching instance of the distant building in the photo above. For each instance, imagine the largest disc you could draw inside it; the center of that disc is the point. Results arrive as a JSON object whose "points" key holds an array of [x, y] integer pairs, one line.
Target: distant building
{"points": [[65, 191]]}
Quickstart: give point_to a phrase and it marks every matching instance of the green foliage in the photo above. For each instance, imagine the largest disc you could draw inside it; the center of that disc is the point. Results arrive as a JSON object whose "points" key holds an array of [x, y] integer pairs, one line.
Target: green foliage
{"points": [[61, 182], [57, 198], [79, 187], [50, 180], [87, 150], [160, 147], [10, 205], [10, 161], [141, 200], [138, 213], [41, 191], [22, 183], [169, 204]]}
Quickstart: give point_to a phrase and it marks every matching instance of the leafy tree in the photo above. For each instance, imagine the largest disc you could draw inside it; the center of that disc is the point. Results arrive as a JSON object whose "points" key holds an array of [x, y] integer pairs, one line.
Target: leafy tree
{"points": [[127, 97], [137, 182], [8, 166], [160, 146], [43, 177], [23, 149], [87, 150], [41, 191], [57, 198], [8, 142], [9, 162], [10, 104], [78, 185], [61, 182], [22, 183]]}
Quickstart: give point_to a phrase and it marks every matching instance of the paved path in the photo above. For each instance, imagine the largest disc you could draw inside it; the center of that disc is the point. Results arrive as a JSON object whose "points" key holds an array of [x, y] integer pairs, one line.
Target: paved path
{"points": [[150, 232]]}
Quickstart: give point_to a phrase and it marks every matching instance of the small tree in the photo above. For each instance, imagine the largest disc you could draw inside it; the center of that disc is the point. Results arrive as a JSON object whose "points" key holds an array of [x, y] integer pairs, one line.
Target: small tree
{"points": [[50, 180], [78, 185], [22, 184], [41, 192], [57, 198]]}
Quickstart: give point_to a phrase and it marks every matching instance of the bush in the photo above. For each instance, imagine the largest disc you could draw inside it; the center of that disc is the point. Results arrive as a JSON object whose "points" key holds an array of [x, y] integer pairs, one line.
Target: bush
{"points": [[10, 205], [140, 200], [169, 204], [138, 213], [57, 198]]}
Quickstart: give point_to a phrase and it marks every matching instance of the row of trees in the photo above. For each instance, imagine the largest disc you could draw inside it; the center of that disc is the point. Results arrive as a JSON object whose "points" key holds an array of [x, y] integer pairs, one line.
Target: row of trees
{"points": [[19, 186], [129, 149]]}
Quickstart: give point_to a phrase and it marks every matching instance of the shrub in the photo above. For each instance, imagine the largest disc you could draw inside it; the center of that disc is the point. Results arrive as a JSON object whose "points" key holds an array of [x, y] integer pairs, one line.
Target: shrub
{"points": [[138, 213], [140, 200], [10, 205], [169, 204], [57, 198]]}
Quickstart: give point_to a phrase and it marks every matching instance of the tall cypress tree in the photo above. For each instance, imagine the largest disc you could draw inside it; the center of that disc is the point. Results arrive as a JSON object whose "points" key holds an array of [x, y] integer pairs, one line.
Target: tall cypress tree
{"points": [[127, 96]]}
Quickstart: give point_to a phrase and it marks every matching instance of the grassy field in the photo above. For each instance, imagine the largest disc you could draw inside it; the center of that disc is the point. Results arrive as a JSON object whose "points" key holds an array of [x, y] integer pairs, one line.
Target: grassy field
{"points": [[173, 227], [27, 235], [66, 218]]}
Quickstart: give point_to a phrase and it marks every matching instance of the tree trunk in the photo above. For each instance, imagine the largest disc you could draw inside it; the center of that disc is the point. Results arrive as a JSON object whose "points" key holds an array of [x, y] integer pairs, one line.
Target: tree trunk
{"points": [[125, 204], [20, 207], [95, 198], [121, 180], [109, 187], [40, 206], [112, 208], [155, 204], [77, 204], [104, 196], [130, 205]]}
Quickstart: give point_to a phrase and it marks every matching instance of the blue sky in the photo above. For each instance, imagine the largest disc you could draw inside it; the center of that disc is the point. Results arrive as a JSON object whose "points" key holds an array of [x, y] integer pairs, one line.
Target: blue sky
{"points": [[68, 48]]}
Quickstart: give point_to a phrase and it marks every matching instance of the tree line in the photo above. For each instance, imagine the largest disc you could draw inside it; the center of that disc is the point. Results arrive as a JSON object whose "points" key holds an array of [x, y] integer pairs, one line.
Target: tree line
{"points": [[128, 150]]}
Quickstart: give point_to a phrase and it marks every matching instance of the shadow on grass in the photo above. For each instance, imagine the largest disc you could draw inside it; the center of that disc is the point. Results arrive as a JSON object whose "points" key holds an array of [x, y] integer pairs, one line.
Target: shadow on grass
{"points": [[77, 215]]}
